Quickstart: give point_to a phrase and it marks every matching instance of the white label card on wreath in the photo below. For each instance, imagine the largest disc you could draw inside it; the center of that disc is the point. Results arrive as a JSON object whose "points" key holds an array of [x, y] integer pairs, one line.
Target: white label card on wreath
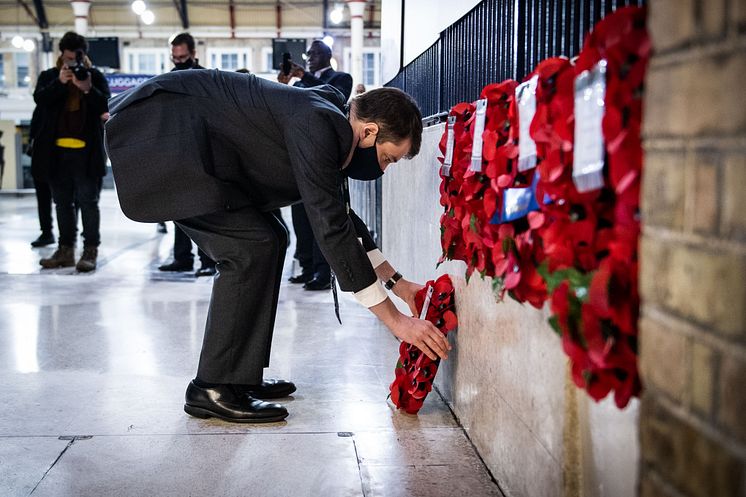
{"points": [[476, 149], [445, 169], [525, 95], [426, 303], [589, 149]]}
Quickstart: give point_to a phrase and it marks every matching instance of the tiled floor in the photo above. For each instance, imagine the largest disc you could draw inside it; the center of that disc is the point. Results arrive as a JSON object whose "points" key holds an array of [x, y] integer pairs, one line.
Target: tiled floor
{"points": [[93, 369]]}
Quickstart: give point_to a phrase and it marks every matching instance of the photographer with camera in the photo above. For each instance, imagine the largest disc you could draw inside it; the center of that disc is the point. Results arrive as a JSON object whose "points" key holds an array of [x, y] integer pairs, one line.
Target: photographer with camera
{"points": [[68, 148]]}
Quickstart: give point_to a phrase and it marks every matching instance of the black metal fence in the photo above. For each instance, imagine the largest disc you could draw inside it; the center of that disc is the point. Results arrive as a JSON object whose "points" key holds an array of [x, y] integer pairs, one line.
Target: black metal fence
{"points": [[497, 40]]}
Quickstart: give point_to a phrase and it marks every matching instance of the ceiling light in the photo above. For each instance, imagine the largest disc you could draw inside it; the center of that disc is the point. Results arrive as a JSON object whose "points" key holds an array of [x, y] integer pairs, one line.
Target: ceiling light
{"points": [[148, 17], [29, 45], [138, 7], [328, 41], [336, 15], [17, 41]]}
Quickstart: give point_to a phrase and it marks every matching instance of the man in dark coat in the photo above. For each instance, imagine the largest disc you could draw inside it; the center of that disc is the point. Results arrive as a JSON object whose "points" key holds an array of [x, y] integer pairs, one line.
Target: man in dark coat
{"points": [[217, 152], [315, 271], [68, 148], [184, 57], [42, 190]]}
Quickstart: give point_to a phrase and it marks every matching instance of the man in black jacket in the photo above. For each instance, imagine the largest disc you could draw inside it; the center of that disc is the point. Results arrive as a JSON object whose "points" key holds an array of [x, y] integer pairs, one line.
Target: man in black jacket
{"points": [[218, 152], [184, 57], [42, 189], [315, 271], [68, 149]]}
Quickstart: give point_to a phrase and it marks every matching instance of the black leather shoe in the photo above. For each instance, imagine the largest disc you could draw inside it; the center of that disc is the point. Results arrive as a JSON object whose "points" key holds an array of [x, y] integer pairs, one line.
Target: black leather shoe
{"points": [[316, 285], [301, 278], [177, 266], [43, 240], [269, 389], [230, 404], [206, 271]]}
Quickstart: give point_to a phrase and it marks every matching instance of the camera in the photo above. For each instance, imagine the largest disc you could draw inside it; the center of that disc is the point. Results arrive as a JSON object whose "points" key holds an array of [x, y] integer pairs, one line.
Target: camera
{"points": [[286, 63], [80, 71]]}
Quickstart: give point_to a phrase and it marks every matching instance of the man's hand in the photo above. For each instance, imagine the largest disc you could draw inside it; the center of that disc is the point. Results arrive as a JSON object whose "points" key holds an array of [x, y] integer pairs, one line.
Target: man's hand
{"points": [[406, 290], [65, 75], [85, 85], [296, 71], [422, 334]]}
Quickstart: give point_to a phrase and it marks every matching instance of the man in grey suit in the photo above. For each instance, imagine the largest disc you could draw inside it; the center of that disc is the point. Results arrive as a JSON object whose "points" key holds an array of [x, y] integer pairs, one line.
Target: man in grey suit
{"points": [[216, 152]]}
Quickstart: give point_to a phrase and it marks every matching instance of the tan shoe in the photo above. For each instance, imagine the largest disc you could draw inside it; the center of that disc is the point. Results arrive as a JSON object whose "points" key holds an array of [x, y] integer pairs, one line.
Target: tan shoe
{"points": [[87, 261], [64, 256]]}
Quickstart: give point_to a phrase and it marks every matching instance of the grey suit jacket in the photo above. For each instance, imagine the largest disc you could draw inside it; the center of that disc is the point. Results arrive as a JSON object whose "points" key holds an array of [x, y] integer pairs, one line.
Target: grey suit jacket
{"points": [[194, 142]]}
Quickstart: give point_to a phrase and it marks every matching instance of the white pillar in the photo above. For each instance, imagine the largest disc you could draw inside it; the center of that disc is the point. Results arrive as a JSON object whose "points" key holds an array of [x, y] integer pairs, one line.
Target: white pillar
{"points": [[80, 9], [357, 9]]}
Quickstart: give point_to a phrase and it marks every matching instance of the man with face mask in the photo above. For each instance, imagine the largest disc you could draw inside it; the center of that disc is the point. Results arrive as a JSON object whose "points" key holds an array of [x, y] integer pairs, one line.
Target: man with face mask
{"points": [[68, 148], [315, 271], [217, 152], [184, 56]]}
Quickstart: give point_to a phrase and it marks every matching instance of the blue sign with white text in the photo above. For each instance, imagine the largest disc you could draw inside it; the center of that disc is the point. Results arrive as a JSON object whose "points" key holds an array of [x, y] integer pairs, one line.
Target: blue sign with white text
{"points": [[123, 82]]}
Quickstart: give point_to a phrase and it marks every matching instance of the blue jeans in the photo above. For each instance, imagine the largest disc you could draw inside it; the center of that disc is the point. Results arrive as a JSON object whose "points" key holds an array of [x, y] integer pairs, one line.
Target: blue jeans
{"points": [[70, 186]]}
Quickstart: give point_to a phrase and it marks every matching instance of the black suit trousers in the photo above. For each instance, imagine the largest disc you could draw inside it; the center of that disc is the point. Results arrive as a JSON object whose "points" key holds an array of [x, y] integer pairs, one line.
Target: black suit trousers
{"points": [[43, 204], [307, 250], [249, 247], [183, 250]]}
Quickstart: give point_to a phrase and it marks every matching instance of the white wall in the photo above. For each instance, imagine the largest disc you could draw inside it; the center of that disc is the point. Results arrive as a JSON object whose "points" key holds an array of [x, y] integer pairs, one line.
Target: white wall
{"points": [[423, 22]]}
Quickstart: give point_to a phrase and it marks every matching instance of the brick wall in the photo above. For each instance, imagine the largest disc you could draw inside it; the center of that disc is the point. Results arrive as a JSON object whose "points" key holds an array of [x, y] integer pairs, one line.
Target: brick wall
{"points": [[693, 252]]}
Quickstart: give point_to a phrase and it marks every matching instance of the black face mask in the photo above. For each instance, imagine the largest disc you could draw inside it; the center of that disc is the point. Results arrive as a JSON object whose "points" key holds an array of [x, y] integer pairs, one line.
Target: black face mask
{"points": [[187, 64], [364, 164]]}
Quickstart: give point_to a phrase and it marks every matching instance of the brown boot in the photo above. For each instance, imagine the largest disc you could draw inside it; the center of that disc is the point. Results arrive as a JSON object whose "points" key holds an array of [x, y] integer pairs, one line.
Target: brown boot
{"points": [[87, 261], [64, 256]]}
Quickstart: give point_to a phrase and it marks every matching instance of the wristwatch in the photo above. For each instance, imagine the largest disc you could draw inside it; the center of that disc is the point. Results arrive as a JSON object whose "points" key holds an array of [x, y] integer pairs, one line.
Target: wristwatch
{"points": [[392, 281]]}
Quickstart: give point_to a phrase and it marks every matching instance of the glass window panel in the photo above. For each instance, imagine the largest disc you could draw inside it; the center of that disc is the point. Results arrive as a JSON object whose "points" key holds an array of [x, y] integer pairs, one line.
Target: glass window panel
{"points": [[23, 80], [369, 69], [229, 61], [147, 63]]}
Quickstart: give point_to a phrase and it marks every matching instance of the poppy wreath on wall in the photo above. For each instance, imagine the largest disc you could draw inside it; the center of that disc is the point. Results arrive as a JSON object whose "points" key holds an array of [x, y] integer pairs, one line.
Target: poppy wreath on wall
{"points": [[415, 371], [555, 215]]}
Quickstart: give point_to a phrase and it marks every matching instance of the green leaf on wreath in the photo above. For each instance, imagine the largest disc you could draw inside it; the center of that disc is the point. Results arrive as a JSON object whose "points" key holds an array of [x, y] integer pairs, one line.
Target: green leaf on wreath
{"points": [[473, 223], [554, 323]]}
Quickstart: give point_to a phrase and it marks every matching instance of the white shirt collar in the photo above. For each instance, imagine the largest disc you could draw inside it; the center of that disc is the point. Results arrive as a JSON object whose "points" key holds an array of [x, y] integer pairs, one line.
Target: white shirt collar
{"points": [[321, 71]]}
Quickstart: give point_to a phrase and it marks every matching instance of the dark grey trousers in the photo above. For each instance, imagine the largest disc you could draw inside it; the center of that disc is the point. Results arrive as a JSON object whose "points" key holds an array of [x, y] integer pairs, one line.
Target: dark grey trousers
{"points": [[249, 248]]}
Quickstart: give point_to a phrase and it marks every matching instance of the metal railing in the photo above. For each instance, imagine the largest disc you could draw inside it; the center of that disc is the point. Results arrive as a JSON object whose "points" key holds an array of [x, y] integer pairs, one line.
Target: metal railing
{"points": [[498, 40]]}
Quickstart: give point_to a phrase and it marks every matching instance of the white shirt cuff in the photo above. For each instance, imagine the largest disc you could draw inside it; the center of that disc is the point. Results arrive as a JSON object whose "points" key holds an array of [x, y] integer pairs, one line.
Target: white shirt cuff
{"points": [[376, 258], [372, 295]]}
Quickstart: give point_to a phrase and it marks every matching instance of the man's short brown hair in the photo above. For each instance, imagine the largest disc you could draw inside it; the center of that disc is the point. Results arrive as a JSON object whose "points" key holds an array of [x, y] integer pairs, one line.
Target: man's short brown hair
{"points": [[396, 114]]}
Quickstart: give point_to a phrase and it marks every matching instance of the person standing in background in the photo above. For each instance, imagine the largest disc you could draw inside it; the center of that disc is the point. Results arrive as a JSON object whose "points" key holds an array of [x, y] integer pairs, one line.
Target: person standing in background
{"points": [[68, 148], [315, 271], [42, 190], [184, 56]]}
